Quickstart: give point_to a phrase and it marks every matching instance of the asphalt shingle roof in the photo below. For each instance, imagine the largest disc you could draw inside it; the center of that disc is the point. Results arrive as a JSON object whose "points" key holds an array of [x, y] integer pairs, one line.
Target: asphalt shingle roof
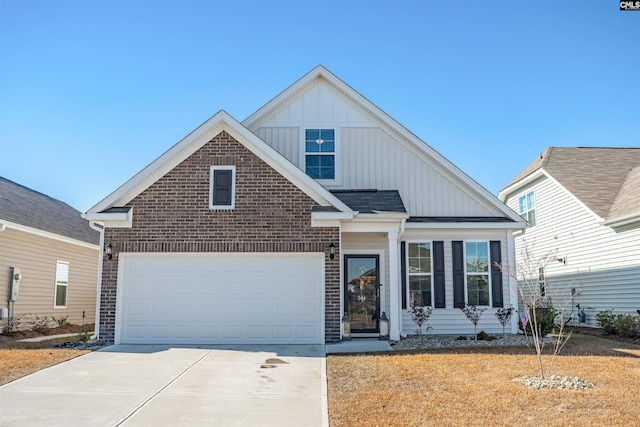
{"points": [[368, 201], [27, 207], [607, 180]]}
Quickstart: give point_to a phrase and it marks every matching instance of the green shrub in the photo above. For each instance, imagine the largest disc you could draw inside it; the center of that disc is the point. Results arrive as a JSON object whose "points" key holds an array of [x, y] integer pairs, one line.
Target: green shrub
{"points": [[545, 324], [461, 338], [607, 321], [627, 325], [483, 336]]}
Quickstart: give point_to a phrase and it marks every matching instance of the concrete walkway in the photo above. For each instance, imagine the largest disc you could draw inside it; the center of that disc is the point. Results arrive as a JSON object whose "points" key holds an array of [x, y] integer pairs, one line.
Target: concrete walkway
{"points": [[52, 337], [146, 385], [359, 345]]}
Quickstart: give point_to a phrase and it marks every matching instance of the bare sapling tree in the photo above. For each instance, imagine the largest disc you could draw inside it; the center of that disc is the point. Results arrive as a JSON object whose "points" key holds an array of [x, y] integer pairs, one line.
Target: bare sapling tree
{"points": [[540, 310], [420, 314], [473, 313]]}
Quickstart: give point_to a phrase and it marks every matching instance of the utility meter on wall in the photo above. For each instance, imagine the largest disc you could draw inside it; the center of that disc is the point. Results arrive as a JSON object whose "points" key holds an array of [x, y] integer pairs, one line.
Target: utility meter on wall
{"points": [[14, 283]]}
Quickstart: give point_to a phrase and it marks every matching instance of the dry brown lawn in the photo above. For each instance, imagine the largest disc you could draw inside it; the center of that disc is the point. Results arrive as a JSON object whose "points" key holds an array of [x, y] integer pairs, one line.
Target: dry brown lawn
{"points": [[19, 359], [16, 363], [474, 387]]}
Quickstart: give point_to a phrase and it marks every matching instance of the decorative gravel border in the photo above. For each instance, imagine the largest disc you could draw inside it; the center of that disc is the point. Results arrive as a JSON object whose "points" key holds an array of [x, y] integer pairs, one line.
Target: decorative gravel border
{"points": [[554, 382], [419, 342]]}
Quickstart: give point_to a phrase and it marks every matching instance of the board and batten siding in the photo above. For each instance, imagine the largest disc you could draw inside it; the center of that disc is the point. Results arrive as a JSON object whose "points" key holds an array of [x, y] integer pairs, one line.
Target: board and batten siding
{"points": [[450, 320], [370, 155], [602, 263], [37, 256]]}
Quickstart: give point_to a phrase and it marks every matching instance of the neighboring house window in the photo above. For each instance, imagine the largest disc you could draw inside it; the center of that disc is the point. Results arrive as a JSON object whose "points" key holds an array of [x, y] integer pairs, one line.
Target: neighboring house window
{"points": [[223, 186], [477, 272], [320, 153], [62, 284], [542, 282], [527, 206], [419, 259]]}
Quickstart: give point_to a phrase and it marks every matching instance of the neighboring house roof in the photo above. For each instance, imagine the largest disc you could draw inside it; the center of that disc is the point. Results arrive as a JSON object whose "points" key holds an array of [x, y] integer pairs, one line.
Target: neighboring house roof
{"points": [[606, 180], [221, 121], [370, 201], [391, 125], [24, 206]]}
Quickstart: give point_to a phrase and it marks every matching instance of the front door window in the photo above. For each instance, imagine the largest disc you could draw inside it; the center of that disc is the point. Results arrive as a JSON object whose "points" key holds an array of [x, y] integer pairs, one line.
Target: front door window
{"points": [[362, 296]]}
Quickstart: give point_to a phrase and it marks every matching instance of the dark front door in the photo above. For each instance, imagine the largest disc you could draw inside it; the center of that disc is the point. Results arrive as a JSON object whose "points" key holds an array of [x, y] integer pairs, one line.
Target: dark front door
{"points": [[362, 292]]}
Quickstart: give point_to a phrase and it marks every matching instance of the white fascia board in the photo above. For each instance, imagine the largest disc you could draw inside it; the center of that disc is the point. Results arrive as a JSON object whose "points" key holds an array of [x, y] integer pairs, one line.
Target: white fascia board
{"points": [[111, 219], [41, 233], [386, 121], [160, 166], [221, 121], [332, 215], [513, 188], [515, 226], [623, 220], [370, 227]]}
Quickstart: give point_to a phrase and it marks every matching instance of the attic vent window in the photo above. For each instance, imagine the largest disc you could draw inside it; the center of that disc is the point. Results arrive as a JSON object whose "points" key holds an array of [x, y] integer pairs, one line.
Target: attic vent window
{"points": [[320, 153], [222, 187]]}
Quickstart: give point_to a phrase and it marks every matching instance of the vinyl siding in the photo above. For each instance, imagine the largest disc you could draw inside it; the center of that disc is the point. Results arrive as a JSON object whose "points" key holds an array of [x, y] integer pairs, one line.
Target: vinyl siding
{"points": [[603, 263], [369, 155], [452, 321], [37, 256]]}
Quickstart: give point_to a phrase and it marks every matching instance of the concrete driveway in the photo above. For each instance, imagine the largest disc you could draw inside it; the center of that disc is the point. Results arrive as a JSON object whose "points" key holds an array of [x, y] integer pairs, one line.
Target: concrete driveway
{"points": [[151, 385]]}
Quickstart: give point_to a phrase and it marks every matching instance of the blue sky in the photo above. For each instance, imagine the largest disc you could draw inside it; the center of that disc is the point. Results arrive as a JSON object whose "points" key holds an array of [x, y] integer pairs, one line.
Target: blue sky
{"points": [[93, 91]]}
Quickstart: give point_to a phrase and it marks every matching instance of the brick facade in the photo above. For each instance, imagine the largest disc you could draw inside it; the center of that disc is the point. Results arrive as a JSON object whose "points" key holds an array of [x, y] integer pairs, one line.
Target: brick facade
{"points": [[271, 215]]}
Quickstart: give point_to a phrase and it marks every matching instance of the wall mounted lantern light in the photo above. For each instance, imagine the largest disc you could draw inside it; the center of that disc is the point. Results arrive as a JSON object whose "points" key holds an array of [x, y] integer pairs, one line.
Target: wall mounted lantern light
{"points": [[332, 251], [108, 250]]}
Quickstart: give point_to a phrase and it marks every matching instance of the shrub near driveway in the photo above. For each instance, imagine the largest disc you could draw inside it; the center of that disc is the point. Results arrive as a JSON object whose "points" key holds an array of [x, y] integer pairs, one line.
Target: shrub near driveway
{"points": [[474, 387]]}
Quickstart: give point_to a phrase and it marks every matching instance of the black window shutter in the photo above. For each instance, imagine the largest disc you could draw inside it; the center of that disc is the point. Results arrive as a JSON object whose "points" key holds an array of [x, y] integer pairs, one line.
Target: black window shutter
{"points": [[438, 274], [403, 273], [458, 274], [496, 273], [222, 187]]}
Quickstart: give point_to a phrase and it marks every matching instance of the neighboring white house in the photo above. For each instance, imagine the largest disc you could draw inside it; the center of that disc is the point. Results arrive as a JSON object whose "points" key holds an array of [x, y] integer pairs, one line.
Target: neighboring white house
{"points": [[583, 205], [269, 230]]}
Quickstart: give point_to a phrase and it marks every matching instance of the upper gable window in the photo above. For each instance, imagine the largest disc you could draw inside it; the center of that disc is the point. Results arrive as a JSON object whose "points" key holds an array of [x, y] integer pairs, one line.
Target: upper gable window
{"points": [[222, 187], [527, 207], [320, 153]]}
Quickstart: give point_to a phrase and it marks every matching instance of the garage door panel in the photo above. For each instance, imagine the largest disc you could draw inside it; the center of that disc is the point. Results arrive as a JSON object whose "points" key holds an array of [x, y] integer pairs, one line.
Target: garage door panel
{"points": [[244, 298]]}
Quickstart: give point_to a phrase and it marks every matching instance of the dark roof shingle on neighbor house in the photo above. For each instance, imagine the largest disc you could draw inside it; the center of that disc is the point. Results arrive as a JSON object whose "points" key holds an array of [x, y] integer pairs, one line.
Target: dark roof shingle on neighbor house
{"points": [[24, 206], [605, 179]]}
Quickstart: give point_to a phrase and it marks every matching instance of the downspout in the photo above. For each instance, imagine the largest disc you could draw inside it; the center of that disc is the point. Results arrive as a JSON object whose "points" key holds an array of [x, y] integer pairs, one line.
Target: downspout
{"points": [[100, 229]]}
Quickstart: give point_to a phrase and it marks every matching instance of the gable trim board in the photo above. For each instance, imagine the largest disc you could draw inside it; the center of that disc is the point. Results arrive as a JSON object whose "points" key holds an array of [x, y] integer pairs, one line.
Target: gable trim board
{"points": [[279, 210], [388, 123], [220, 122], [8, 224]]}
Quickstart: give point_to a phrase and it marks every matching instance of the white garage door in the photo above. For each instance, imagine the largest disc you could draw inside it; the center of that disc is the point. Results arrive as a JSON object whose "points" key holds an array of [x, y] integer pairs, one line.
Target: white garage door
{"points": [[220, 299]]}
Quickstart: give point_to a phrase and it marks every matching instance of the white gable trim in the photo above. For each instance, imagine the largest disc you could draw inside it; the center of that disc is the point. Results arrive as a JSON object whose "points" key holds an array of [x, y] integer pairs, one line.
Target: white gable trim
{"points": [[388, 122], [221, 121], [46, 234], [515, 188]]}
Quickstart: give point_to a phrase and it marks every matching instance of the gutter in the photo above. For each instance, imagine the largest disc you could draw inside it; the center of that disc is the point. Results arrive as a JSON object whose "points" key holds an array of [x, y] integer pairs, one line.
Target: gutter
{"points": [[100, 229]]}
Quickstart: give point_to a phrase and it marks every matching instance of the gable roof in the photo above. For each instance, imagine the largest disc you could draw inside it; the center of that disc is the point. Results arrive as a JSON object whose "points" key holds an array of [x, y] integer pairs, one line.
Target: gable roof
{"points": [[388, 123], [29, 208], [221, 121], [606, 180]]}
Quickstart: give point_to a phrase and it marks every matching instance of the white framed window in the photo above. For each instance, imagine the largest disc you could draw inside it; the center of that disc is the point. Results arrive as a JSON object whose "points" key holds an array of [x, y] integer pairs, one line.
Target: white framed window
{"points": [[477, 273], [62, 284], [320, 153], [222, 187], [419, 271], [527, 208]]}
